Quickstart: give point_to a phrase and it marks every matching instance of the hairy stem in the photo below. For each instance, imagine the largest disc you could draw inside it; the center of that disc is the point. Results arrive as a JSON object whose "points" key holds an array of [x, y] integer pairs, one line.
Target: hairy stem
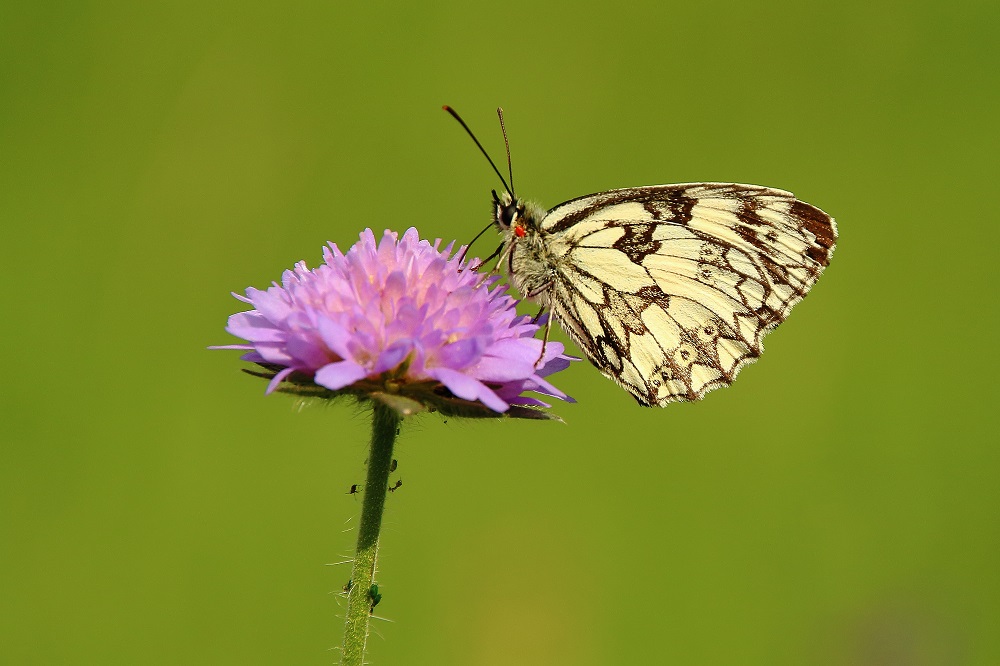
{"points": [[385, 422]]}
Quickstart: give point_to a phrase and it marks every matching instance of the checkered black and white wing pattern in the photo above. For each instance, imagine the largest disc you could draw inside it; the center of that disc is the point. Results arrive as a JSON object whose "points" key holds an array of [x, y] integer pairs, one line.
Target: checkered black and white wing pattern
{"points": [[670, 289]]}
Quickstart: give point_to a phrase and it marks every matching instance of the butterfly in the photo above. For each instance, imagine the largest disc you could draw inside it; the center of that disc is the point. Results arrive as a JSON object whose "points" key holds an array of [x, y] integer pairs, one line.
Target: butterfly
{"points": [[668, 290]]}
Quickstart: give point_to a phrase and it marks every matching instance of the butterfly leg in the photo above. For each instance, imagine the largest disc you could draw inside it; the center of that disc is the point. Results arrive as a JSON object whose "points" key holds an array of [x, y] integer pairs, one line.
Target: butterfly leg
{"points": [[496, 253], [548, 322], [545, 338], [495, 270]]}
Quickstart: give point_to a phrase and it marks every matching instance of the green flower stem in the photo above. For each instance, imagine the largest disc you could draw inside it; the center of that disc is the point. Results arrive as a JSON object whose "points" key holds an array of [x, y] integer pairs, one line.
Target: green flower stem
{"points": [[385, 422]]}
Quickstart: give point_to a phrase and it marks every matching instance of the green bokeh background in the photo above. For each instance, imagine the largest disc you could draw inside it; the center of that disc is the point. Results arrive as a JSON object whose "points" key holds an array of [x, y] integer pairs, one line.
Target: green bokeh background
{"points": [[838, 505]]}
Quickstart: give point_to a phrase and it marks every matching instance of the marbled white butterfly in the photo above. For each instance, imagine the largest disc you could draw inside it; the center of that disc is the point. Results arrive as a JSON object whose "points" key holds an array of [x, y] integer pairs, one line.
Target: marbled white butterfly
{"points": [[667, 289]]}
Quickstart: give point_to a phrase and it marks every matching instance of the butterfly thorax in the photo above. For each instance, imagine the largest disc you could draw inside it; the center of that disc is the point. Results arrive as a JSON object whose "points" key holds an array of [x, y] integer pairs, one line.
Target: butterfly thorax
{"points": [[527, 258]]}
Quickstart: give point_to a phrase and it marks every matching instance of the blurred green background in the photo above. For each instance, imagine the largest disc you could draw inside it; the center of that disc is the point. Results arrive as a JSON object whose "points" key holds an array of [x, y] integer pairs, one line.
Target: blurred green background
{"points": [[837, 505]]}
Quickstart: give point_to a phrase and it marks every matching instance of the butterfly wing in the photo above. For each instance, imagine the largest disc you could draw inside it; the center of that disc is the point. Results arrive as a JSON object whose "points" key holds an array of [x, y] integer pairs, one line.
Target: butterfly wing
{"points": [[670, 289]]}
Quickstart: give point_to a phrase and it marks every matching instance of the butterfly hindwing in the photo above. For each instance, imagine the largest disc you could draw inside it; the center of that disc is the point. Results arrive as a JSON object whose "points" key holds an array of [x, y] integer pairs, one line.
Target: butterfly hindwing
{"points": [[670, 289]]}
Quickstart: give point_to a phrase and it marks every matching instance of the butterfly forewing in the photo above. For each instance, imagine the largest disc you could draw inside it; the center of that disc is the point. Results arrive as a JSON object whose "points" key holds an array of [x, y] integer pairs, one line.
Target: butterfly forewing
{"points": [[670, 289]]}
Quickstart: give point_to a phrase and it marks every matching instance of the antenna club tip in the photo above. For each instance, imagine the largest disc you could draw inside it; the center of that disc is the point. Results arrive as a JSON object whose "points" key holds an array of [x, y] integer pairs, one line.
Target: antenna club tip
{"points": [[446, 107]]}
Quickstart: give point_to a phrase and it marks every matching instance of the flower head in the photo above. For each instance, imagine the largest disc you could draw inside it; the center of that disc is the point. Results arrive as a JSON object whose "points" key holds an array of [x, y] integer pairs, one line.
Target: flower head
{"points": [[397, 318]]}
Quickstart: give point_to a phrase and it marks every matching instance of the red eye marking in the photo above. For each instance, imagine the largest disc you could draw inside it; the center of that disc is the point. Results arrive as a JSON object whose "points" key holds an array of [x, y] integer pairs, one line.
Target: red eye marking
{"points": [[519, 230]]}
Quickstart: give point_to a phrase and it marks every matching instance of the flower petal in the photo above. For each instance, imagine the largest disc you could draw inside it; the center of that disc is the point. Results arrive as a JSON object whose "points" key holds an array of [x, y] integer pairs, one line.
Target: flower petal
{"points": [[307, 351], [254, 327], [460, 354], [277, 379], [274, 352], [467, 388], [493, 369], [395, 354], [340, 374], [270, 303], [335, 336]]}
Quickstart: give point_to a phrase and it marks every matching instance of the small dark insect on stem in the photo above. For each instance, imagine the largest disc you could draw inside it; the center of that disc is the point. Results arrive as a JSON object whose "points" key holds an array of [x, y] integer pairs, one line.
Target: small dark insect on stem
{"points": [[353, 490], [393, 488], [374, 597]]}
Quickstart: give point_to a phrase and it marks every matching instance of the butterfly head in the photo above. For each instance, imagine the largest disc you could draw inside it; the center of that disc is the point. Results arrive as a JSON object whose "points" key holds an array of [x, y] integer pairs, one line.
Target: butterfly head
{"points": [[512, 215], [507, 211]]}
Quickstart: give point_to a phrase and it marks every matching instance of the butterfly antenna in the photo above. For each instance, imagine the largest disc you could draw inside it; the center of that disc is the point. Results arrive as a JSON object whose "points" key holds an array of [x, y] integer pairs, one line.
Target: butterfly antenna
{"points": [[454, 114], [465, 249], [506, 144]]}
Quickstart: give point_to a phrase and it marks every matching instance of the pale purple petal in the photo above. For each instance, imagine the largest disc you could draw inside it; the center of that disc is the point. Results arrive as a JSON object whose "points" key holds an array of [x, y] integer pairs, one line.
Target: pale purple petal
{"points": [[393, 355], [277, 379], [274, 352], [459, 354], [467, 388], [307, 352], [539, 385], [492, 369], [253, 327], [340, 374], [335, 336], [523, 349], [556, 364], [270, 303]]}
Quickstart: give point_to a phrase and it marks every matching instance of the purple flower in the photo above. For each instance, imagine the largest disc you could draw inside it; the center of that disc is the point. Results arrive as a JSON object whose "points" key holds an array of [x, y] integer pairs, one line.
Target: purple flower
{"points": [[401, 318]]}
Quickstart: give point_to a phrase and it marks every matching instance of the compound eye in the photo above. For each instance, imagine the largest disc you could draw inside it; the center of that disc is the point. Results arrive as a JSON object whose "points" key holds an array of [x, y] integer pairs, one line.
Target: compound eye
{"points": [[508, 214]]}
